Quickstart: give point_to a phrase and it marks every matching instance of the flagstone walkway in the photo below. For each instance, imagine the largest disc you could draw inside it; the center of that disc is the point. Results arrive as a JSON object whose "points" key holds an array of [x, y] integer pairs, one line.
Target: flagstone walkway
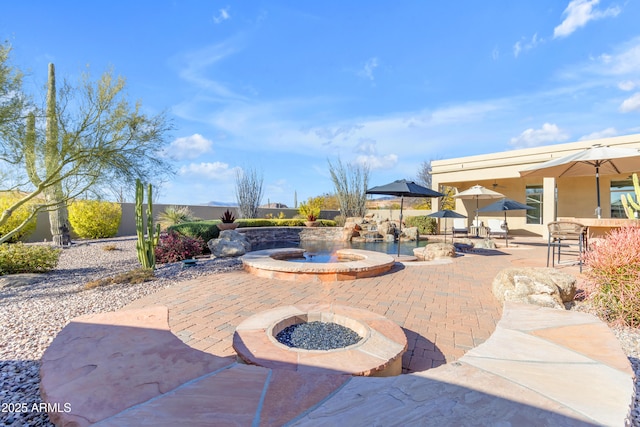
{"points": [[535, 368]]}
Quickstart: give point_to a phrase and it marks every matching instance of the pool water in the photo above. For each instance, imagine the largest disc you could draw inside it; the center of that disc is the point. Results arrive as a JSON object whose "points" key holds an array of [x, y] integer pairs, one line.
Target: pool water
{"points": [[322, 250], [318, 257]]}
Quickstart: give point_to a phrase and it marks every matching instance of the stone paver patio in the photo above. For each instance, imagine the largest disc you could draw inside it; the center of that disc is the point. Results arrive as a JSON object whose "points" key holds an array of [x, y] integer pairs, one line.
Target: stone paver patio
{"points": [[524, 366]]}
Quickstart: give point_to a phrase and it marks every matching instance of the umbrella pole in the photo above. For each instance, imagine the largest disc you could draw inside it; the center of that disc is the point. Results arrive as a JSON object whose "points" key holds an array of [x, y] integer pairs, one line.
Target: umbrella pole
{"points": [[477, 228], [506, 229], [399, 235], [598, 211]]}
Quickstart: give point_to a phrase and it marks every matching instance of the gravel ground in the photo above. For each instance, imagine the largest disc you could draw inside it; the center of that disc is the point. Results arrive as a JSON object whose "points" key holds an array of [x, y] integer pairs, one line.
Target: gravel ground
{"points": [[32, 314]]}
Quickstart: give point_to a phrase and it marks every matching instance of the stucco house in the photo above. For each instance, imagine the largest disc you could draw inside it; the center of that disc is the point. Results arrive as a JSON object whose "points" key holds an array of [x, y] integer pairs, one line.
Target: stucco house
{"points": [[552, 198]]}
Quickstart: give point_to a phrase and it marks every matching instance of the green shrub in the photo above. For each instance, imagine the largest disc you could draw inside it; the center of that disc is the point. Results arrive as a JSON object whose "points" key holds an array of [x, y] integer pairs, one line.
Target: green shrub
{"points": [[17, 218], [288, 222], [613, 277], [425, 224], [206, 230], [21, 258], [94, 219], [310, 209]]}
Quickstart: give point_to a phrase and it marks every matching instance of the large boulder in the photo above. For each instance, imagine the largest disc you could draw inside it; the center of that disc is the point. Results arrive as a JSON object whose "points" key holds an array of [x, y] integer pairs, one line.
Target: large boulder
{"points": [[410, 233], [230, 243], [352, 228], [546, 287], [485, 244], [386, 227], [436, 251]]}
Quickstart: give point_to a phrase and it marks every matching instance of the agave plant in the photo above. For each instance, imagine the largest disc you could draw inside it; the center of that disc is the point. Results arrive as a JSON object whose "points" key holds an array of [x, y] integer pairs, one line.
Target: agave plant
{"points": [[174, 215], [227, 217]]}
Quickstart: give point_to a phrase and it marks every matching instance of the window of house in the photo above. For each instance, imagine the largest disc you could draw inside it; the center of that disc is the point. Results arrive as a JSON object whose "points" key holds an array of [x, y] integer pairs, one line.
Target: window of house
{"points": [[534, 199], [618, 188]]}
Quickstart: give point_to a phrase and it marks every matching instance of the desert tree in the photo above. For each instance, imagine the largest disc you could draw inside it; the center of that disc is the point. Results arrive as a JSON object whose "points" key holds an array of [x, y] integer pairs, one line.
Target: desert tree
{"points": [[12, 112], [89, 138], [248, 192], [350, 183], [424, 174], [425, 178]]}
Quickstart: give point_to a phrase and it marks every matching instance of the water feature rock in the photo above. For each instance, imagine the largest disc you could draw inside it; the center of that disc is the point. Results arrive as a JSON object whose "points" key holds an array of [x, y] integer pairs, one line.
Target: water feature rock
{"points": [[230, 243], [546, 287], [351, 228], [436, 251], [410, 233], [386, 227]]}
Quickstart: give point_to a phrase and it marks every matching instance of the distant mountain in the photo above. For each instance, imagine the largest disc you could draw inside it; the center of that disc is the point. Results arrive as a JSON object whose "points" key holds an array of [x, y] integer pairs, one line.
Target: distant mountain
{"points": [[215, 203]]}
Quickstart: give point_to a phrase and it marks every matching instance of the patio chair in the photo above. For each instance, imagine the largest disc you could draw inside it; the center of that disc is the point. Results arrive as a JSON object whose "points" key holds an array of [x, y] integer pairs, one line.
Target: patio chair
{"points": [[561, 233], [459, 227], [478, 225], [497, 227]]}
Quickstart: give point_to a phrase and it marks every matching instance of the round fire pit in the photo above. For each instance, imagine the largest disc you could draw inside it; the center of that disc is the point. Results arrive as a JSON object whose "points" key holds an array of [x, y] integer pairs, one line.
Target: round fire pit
{"points": [[378, 352]]}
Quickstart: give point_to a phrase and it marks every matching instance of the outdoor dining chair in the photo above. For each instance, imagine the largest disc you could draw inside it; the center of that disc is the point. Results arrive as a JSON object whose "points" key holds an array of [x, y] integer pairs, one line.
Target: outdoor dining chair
{"points": [[561, 233]]}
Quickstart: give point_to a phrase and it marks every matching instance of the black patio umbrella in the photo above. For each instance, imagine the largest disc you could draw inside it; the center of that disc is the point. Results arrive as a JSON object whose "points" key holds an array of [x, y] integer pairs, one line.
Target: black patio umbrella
{"points": [[403, 188], [446, 213], [505, 205]]}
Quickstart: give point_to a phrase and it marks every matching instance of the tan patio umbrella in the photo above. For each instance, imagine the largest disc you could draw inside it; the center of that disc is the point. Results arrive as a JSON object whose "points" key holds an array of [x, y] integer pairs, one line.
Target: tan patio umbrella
{"points": [[596, 159], [478, 192]]}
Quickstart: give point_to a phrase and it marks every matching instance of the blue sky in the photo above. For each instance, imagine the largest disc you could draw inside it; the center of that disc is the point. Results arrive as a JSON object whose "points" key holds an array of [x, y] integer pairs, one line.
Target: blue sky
{"points": [[283, 86]]}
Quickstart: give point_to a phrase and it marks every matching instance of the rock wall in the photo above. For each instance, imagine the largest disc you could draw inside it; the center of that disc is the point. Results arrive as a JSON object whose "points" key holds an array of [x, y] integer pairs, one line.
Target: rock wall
{"points": [[259, 236]]}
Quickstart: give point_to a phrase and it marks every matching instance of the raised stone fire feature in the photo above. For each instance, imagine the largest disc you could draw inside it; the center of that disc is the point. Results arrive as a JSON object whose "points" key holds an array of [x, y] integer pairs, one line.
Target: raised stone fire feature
{"points": [[273, 264], [377, 353]]}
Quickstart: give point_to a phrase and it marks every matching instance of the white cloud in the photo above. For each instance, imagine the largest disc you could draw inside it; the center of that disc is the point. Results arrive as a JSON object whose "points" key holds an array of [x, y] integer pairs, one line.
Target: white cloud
{"points": [[605, 133], [578, 13], [631, 104], [377, 162], [188, 147], [549, 133], [216, 170], [368, 155], [517, 48], [627, 86], [196, 64], [627, 61], [524, 45], [331, 133], [369, 66], [223, 15], [623, 63]]}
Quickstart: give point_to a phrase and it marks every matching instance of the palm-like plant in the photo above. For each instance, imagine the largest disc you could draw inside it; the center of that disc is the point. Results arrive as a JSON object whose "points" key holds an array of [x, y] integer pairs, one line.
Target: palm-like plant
{"points": [[173, 215]]}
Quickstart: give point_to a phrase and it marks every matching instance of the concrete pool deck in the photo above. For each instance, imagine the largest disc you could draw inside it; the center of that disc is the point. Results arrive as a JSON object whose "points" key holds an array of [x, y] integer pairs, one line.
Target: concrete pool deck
{"points": [[167, 359]]}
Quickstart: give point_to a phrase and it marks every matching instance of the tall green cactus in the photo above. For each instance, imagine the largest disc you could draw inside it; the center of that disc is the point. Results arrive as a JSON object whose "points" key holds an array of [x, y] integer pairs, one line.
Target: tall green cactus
{"points": [[146, 245], [631, 207]]}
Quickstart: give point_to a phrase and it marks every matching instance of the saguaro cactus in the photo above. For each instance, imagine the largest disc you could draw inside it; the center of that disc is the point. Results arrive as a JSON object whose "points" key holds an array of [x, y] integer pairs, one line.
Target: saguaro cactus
{"points": [[146, 245], [631, 207], [58, 215]]}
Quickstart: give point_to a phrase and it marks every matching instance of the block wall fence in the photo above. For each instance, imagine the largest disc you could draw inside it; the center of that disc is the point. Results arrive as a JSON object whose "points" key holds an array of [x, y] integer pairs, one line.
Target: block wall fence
{"points": [[128, 222]]}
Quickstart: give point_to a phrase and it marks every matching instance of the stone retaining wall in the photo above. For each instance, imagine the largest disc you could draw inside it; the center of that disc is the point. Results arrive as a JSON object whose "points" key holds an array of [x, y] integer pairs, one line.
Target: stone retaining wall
{"points": [[262, 235]]}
